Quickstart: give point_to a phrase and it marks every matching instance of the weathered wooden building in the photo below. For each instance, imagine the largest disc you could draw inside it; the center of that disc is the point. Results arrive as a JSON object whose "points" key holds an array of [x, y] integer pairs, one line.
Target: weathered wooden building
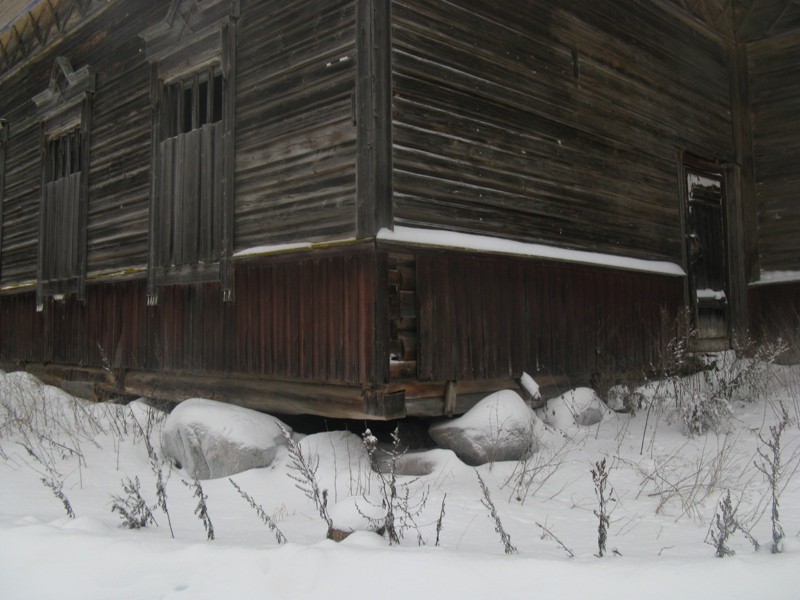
{"points": [[378, 208]]}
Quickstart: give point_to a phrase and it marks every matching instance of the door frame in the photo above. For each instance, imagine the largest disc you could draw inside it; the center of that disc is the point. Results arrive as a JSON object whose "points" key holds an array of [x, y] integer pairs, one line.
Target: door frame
{"points": [[691, 163]]}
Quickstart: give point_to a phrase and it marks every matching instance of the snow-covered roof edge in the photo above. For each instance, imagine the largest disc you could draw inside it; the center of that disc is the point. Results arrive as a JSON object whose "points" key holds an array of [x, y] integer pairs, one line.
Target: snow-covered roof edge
{"points": [[768, 277], [440, 238]]}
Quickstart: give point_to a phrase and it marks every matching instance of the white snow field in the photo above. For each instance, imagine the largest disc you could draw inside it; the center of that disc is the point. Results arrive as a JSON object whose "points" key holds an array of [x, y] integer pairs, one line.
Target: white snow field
{"points": [[665, 487]]}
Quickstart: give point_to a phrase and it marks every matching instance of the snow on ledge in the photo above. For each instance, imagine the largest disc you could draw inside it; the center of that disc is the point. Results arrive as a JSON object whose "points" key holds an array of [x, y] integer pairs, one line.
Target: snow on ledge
{"points": [[289, 247], [440, 238], [768, 277]]}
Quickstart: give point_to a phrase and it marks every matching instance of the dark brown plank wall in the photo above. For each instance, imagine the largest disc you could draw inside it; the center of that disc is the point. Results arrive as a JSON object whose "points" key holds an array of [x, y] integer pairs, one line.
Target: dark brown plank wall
{"points": [[492, 317], [775, 312], [310, 319], [295, 136], [774, 67], [551, 122], [300, 318]]}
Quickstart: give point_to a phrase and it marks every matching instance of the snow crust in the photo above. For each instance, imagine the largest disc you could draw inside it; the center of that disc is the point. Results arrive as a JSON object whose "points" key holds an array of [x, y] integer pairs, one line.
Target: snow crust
{"points": [[467, 241]]}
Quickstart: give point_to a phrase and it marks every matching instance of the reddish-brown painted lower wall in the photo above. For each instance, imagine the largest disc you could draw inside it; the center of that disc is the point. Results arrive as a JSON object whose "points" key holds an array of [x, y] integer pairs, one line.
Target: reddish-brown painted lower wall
{"points": [[774, 311], [331, 316], [308, 318], [490, 317]]}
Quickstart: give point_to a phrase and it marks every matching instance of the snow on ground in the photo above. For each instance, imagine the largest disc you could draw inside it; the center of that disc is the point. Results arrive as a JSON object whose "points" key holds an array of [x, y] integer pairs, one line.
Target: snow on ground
{"points": [[666, 487]]}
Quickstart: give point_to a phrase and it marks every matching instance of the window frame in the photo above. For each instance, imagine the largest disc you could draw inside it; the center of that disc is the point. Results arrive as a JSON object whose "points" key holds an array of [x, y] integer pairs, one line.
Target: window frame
{"points": [[62, 109], [195, 36]]}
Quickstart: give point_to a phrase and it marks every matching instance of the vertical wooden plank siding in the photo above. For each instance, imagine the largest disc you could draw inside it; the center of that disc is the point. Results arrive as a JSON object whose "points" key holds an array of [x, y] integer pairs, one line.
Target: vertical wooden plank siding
{"points": [[310, 319], [491, 317], [190, 216], [775, 312]]}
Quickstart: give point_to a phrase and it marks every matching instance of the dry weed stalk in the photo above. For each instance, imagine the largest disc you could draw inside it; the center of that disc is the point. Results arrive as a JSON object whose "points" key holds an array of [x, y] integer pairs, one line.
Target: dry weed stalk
{"points": [[400, 508], [487, 502], [604, 497], [201, 510], [533, 471], [268, 521], [303, 470], [772, 469]]}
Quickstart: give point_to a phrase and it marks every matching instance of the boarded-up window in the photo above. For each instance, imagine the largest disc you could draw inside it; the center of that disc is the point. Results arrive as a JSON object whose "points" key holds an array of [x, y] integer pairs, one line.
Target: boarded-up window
{"points": [[62, 196], [190, 171]]}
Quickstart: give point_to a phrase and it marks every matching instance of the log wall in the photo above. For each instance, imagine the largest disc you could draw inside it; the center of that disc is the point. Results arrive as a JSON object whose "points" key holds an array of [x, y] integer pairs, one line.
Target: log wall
{"points": [[774, 67], [552, 122], [119, 152], [295, 130], [295, 133]]}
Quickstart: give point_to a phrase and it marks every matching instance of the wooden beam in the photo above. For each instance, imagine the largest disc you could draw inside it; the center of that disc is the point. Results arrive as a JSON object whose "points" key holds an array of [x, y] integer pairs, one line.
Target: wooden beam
{"points": [[3, 141], [743, 145], [450, 395], [373, 117], [430, 399], [267, 395], [742, 212], [281, 397], [229, 157]]}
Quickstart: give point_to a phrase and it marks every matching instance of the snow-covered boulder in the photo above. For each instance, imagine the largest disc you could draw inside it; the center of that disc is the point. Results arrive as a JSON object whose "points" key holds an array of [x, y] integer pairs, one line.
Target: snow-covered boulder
{"points": [[210, 439], [579, 407], [499, 427]]}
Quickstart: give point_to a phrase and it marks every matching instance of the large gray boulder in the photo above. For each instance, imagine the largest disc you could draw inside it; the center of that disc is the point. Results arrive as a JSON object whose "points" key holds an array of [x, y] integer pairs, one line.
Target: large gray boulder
{"points": [[210, 439], [499, 427]]}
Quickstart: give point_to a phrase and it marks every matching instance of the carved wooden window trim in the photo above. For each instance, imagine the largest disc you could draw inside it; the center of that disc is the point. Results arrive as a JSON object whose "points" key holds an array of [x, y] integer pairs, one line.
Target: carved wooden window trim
{"points": [[64, 110], [192, 86]]}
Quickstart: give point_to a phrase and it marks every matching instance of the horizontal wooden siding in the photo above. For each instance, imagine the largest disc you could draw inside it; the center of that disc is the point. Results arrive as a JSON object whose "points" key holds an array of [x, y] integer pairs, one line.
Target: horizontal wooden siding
{"points": [[774, 67], [552, 122], [295, 135]]}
